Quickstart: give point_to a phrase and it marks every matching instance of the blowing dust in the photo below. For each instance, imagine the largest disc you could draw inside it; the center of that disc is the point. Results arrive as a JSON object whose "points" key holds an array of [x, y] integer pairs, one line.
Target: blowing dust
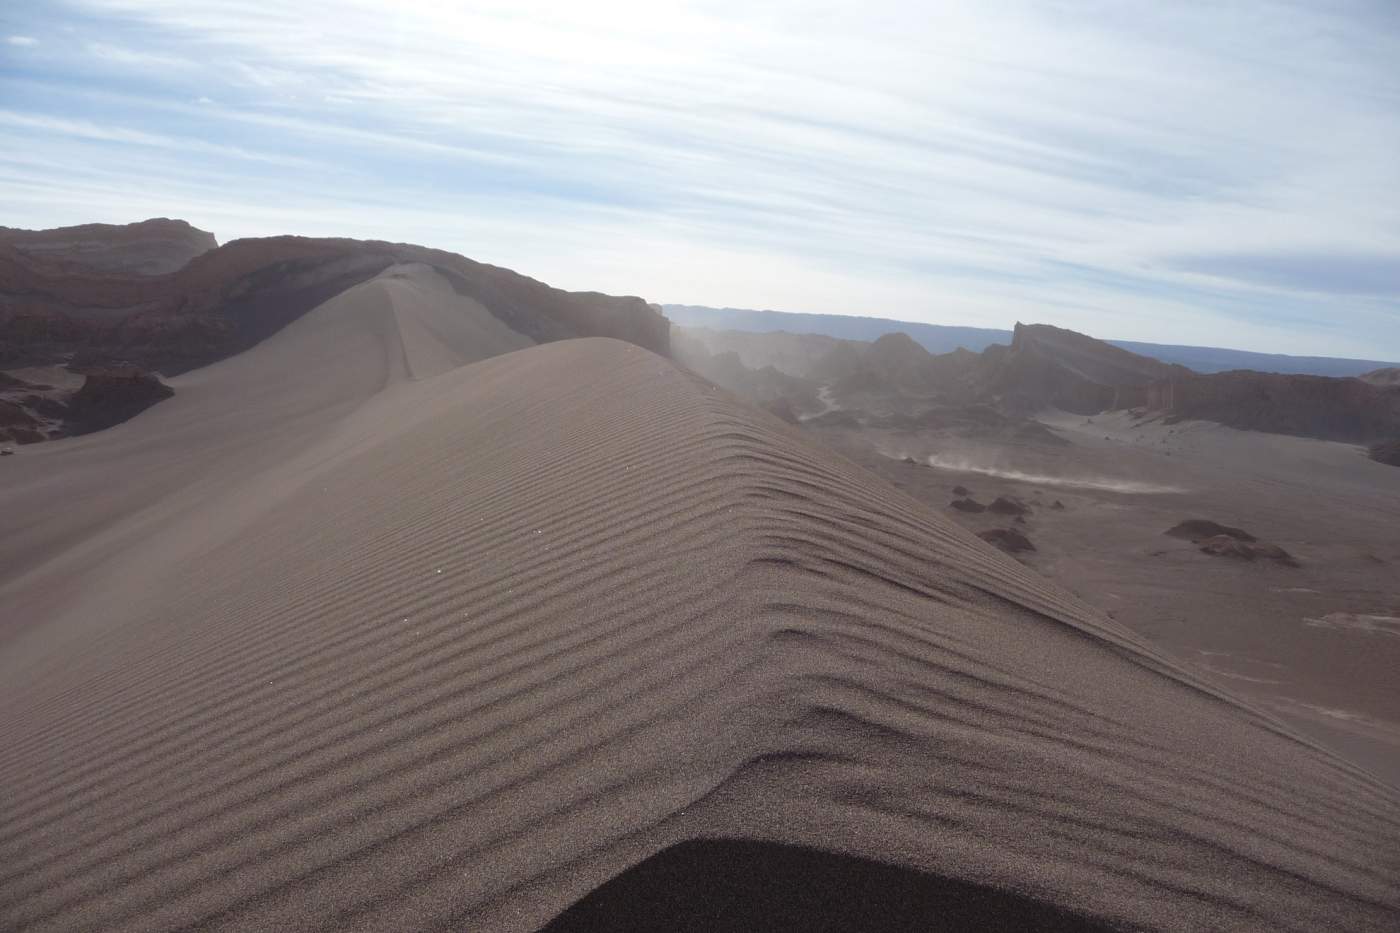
{"points": [[966, 464]]}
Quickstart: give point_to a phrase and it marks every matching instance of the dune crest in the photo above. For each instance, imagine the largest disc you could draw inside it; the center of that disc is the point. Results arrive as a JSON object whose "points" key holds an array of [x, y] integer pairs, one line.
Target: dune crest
{"points": [[400, 643]]}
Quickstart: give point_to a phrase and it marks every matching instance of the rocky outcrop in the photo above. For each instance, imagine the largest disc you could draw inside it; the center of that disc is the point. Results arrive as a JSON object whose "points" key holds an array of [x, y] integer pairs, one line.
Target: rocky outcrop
{"points": [[1387, 452], [1008, 539], [1004, 505], [1338, 409], [1050, 367], [17, 425], [227, 299], [1198, 529], [1227, 546], [151, 247], [991, 394], [112, 395], [896, 365], [1382, 378], [1220, 540]]}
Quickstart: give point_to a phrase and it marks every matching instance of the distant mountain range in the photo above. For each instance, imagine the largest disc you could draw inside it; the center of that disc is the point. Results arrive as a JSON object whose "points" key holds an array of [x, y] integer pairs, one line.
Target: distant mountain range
{"points": [[937, 338], [1040, 367]]}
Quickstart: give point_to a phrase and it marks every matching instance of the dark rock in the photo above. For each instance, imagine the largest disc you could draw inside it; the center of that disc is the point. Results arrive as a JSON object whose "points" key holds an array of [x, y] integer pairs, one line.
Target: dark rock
{"points": [[1199, 529], [1008, 539], [13, 416], [113, 395], [961, 491], [1057, 505], [1227, 546], [224, 300], [1387, 452], [1004, 505], [46, 407], [1326, 407], [967, 505], [25, 436], [151, 247], [1049, 366], [782, 408], [1389, 376]]}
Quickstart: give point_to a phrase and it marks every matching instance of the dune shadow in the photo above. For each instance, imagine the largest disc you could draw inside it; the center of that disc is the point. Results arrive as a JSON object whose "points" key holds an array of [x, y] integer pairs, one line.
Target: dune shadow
{"points": [[728, 885]]}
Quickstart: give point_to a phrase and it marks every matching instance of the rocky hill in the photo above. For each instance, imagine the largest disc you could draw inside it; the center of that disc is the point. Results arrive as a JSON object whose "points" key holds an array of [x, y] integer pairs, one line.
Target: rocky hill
{"points": [[1047, 367], [151, 247], [1345, 409], [1390, 376], [227, 299], [939, 338]]}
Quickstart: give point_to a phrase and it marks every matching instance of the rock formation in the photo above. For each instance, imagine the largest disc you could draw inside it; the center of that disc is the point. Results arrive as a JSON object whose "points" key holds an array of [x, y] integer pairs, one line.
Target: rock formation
{"points": [[227, 299], [1008, 539], [1387, 452], [151, 247], [112, 395], [1326, 407]]}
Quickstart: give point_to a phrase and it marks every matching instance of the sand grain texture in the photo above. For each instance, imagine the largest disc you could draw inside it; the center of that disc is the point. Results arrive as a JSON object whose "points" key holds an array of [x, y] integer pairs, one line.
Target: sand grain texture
{"points": [[357, 633]]}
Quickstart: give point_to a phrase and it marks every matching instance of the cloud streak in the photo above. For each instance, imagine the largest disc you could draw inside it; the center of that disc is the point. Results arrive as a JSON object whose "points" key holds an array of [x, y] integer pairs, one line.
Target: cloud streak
{"points": [[1150, 171]]}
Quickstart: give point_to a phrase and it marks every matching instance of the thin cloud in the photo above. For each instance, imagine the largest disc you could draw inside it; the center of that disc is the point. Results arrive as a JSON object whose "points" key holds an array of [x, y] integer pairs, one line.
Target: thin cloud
{"points": [[25, 41], [962, 162], [1324, 273]]}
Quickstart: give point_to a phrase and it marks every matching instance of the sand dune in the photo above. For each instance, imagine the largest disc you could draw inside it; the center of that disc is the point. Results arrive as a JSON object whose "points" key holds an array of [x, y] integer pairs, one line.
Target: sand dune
{"points": [[356, 633]]}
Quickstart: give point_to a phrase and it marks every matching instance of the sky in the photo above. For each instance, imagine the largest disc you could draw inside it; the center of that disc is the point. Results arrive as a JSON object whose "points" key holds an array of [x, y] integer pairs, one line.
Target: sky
{"points": [[1209, 173]]}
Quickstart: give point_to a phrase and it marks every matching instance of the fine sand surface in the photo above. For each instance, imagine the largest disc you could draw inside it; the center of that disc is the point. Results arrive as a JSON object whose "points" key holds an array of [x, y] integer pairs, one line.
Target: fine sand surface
{"points": [[355, 633], [1317, 644]]}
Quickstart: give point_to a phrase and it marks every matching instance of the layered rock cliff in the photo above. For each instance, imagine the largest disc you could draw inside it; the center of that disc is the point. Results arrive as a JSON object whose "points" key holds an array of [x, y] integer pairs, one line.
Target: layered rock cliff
{"points": [[151, 247], [225, 300]]}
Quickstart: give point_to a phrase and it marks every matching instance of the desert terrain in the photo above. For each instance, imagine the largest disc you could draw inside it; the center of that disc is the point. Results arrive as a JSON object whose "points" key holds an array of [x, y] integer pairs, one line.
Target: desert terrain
{"points": [[1312, 637], [435, 598], [1313, 640]]}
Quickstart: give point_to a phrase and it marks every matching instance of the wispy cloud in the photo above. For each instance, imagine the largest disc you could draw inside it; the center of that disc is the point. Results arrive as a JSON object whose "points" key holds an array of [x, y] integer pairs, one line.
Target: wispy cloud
{"points": [[21, 40], [1326, 273], [1141, 170]]}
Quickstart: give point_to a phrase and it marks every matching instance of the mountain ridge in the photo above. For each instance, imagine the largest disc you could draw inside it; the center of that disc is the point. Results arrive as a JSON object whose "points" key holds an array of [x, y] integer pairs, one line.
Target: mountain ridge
{"points": [[940, 338], [226, 299]]}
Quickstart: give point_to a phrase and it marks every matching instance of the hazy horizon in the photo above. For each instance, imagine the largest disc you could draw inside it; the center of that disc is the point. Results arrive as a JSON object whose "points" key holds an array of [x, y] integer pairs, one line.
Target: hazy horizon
{"points": [[1182, 175]]}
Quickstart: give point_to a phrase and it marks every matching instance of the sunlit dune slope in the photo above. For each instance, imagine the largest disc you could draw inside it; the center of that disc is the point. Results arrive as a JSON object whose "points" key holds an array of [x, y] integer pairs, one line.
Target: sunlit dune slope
{"points": [[356, 633]]}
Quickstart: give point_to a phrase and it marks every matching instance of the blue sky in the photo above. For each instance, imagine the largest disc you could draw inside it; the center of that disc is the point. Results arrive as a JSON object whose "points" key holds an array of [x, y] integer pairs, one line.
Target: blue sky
{"points": [[1207, 173]]}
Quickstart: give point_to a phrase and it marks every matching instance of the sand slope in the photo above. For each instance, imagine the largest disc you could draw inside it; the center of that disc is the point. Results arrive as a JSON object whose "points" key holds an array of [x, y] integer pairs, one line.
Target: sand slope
{"points": [[381, 641]]}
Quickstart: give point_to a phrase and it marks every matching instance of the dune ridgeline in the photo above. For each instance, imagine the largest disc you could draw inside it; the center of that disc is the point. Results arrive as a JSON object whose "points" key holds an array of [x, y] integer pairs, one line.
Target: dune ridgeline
{"points": [[450, 601]]}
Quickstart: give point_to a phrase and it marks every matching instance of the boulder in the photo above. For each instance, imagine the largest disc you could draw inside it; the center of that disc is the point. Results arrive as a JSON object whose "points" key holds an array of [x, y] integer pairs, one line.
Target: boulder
{"points": [[1199, 529], [1227, 546], [1008, 539], [1004, 505]]}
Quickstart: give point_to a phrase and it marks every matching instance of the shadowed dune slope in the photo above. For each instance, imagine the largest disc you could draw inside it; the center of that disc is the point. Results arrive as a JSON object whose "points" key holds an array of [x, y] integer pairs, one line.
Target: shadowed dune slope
{"points": [[391, 639]]}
